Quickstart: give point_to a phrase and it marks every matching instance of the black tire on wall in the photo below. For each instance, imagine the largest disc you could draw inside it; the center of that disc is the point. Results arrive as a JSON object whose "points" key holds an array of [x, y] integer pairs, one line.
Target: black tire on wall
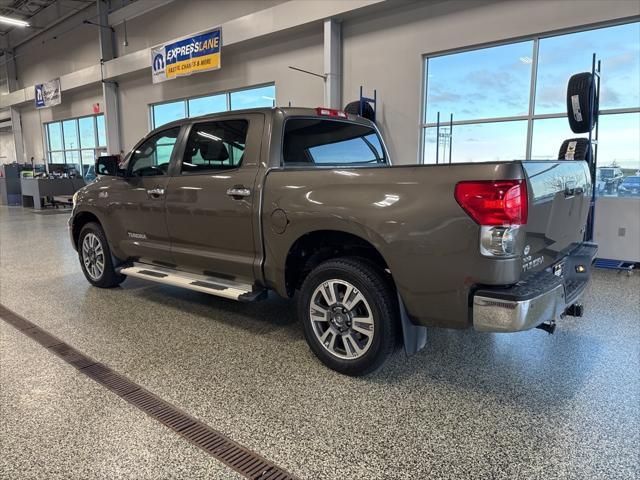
{"points": [[575, 149], [353, 108], [579, 102]]}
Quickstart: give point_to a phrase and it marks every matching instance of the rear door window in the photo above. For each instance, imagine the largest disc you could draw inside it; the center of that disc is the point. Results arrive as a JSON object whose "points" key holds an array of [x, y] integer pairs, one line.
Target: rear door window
{"points": [[321, 142], [217, 145]]}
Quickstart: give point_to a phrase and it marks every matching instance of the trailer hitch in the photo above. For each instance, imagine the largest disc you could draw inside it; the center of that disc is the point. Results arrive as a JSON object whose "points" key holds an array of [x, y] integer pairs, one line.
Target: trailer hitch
{"points": [[548, 327]]}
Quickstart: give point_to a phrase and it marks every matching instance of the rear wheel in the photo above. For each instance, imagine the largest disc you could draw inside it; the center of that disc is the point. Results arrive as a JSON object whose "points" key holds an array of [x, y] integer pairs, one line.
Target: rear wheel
{"points": [[95, 257], [349, 313]]}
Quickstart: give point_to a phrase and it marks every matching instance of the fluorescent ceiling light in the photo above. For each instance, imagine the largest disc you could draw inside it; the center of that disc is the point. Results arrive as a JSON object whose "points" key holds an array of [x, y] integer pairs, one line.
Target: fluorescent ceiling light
{"points": [[13, 21]]}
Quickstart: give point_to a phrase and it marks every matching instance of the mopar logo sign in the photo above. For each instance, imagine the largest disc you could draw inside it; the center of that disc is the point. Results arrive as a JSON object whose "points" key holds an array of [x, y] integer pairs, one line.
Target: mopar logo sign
{"points": [[39, 97], [158, 65], [158, 62]]}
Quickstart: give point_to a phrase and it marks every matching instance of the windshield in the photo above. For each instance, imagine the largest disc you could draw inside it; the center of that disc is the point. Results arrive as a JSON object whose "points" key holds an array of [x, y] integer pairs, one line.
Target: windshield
{"points": [[632, 181]]}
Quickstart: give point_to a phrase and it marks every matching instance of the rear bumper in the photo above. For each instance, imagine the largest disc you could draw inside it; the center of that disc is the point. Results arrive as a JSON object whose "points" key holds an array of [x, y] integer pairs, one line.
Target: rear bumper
{"points": [[539, 298]]}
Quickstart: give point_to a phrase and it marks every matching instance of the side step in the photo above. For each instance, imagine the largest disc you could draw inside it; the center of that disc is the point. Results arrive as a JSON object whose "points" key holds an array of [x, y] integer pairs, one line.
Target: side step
{"points": [[215, 286]]}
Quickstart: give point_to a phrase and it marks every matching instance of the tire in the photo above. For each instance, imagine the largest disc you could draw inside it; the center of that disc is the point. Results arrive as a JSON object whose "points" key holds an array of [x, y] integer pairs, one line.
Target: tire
{"points": [[575, 149], [96, 243], [353, 108], [579, 103], [335, 340]]}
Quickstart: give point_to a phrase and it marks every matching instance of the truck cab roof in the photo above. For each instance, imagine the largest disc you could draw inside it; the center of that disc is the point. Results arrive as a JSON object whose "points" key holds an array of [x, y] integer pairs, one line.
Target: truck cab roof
{"points": [[272, 112]]}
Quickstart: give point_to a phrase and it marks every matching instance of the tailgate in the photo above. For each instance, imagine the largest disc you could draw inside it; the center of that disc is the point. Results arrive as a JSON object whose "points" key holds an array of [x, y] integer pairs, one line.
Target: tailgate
{"points": [[559, 197]]}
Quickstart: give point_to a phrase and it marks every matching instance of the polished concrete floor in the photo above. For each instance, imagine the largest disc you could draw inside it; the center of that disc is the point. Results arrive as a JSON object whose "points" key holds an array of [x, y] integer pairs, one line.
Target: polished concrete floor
{"points": [[469, 405]]}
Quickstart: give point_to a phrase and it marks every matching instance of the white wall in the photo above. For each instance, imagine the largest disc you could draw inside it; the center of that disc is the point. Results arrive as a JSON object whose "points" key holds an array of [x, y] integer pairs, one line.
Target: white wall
{"points": [[181, 18], [384, 51], [7, 148], [242, 66], [69, 46], [617, 228], [76, 104]]}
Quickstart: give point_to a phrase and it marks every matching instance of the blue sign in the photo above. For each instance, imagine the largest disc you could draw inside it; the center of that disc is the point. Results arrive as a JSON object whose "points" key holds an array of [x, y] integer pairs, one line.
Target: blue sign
{"points": [[183, 57], [48, 94]]}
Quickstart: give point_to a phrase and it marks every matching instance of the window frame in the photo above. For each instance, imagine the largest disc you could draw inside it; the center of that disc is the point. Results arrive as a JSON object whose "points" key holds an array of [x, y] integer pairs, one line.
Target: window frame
{"points": [[284, 166], [187, 133], [531, 116], [97, 149], [185, 100], [177, 146]]}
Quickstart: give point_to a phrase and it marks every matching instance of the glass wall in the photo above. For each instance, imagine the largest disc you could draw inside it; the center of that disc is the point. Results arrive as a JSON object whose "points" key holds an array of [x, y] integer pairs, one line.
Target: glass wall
{"points": [[509, 102], [76, 142], [264, 96]]}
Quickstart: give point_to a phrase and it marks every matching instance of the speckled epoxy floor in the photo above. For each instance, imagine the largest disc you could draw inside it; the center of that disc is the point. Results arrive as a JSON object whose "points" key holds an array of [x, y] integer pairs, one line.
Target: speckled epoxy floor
{"points": [[468, 406]]}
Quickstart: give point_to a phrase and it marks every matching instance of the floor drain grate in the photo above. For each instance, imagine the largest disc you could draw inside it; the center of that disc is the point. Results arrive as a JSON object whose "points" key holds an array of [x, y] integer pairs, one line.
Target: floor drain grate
{"points": [[71, 355], [43, 338], [110, 379], [232, 454], [16, 320]]}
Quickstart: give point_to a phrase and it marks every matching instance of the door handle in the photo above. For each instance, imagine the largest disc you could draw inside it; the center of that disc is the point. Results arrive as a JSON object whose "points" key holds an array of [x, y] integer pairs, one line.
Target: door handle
{"points": [[239, 191], [155, 192]]}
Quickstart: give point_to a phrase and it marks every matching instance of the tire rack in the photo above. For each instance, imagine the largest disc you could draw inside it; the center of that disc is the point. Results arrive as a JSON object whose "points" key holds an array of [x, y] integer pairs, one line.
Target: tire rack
{"points": [[594, 92], [370, 101], [438, 137]]}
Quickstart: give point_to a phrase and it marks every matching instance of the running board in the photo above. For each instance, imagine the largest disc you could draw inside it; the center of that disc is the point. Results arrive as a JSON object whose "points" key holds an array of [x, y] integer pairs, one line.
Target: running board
{"points": [[214, 286]]}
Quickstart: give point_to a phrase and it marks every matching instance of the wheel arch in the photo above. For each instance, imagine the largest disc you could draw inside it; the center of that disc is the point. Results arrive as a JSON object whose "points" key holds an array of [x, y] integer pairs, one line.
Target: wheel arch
{"points": [[78, 221], [316, 246]]}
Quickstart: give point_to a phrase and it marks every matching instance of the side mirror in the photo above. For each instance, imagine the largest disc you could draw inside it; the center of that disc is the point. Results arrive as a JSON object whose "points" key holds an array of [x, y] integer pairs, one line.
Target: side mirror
{"points": [[109, 165]]}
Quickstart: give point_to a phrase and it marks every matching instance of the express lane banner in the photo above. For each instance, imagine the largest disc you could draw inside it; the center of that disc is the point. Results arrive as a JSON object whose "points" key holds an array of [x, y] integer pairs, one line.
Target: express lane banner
{"points": [[197, 53]]}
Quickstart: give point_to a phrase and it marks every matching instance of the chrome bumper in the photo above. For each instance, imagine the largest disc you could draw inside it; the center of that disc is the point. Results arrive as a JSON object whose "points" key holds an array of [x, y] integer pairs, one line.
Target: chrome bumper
{"points": [[541, 297], [497, 315]]}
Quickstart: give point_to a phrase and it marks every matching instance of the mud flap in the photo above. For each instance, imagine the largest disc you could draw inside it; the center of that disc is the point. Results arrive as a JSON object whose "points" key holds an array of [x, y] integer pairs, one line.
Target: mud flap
{"points": [[414, 336]]}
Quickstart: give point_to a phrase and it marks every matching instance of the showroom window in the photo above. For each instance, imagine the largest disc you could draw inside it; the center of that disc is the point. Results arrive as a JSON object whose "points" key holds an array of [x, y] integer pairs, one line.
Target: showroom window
{"points": [[263, 96], [508, 101], [76, 141]]}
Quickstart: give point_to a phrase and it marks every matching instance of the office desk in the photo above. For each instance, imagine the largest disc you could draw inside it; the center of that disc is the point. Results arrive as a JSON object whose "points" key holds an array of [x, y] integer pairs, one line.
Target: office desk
{"points": [[33, 189]]}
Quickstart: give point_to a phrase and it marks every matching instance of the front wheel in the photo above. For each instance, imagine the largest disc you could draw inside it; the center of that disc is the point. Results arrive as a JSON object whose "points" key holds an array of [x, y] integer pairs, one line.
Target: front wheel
{"points": [[349, 312], [95, 257]]}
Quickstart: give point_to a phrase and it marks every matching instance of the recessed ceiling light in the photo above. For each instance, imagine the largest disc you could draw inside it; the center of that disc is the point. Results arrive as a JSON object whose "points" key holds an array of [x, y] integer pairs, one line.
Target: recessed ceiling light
{"points": [[13, 21]]}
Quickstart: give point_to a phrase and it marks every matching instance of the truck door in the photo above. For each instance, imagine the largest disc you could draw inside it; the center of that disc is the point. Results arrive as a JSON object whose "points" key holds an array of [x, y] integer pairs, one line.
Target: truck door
{"points": [[137, 202], [211, 196]]}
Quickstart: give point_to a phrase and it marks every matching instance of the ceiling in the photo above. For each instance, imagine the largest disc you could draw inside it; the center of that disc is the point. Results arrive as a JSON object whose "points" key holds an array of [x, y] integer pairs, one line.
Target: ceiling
{"points": [[21, 10], [25, 9]]}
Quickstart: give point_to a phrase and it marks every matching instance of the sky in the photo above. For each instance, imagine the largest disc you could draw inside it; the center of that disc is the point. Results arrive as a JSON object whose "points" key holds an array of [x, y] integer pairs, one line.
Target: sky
{"points": [[495, 82]]}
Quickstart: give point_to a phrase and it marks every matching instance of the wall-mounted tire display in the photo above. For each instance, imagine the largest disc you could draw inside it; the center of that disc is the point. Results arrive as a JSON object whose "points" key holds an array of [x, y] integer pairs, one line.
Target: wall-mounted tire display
{"points": [[579, 104], [575, 149]]}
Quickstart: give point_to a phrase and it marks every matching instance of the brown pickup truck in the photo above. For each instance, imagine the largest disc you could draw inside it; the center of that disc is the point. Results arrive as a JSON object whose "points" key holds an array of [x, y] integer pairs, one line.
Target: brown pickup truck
{"points": [[308, 201]]}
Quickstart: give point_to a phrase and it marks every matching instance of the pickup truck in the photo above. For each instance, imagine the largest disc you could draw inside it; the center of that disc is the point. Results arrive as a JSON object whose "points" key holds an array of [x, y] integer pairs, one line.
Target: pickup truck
{"points": [[307, 202]]}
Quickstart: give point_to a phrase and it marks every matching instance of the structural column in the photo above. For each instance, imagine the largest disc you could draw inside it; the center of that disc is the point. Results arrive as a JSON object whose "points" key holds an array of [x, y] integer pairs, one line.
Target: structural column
{"points": [[14, 113], [109, 88], [332, 64]]}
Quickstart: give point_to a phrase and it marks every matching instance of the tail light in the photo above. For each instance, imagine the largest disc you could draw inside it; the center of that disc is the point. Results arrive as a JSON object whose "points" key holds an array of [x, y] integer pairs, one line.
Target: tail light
{"points": [[499, 207], [494, 202]]}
